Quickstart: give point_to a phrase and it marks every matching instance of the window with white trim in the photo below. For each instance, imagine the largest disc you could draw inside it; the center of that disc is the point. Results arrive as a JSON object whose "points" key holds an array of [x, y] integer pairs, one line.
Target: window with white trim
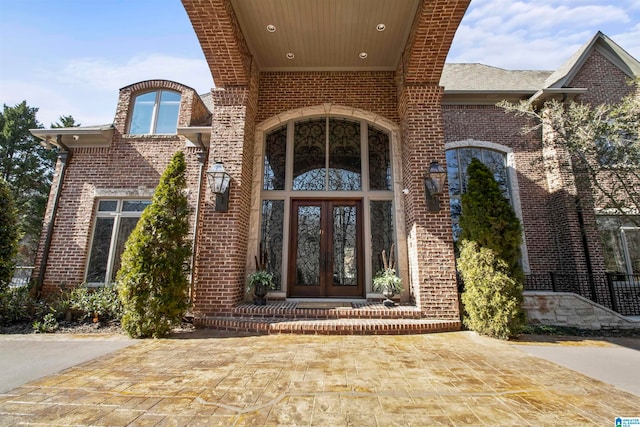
{"points": [[155, 113], [621, 244], [114, 222]]}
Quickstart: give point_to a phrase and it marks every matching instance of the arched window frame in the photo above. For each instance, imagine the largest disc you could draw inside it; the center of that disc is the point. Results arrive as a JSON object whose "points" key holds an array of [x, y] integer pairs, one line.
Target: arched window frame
{"points": [[395, 194], [512, 182], [155, 116]]}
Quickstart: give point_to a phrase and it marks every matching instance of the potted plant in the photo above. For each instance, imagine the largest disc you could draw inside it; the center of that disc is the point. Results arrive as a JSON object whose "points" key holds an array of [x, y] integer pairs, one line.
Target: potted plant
{"points": [[386, 280], [261, 281]]}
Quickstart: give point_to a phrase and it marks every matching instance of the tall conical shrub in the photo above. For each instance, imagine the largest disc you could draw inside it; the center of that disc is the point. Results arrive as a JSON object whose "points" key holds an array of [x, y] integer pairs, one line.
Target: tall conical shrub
{"points": [[490, 257], [152, 281], [8, 234]]}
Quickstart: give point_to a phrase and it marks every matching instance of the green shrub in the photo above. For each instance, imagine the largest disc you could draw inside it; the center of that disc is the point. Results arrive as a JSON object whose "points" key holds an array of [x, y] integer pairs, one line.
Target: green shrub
{"points": [[152, 281], [492, 297], [101, 303], [489, 260], [16, 305], [488, 219], [49, 324], [8, 235]]}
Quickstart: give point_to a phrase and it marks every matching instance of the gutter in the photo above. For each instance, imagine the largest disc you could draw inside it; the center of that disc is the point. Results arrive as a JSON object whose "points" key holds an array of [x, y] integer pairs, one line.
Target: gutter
{"points": [[64, 156], [202, 157]]}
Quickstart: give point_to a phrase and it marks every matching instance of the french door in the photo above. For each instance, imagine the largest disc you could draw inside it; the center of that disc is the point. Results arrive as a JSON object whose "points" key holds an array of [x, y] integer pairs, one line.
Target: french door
{"points": [[325, 257]]}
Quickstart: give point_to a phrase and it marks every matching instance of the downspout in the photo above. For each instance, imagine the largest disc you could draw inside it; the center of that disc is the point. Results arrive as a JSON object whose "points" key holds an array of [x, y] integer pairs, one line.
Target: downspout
{"points": [[202, 157], [64, 156]]}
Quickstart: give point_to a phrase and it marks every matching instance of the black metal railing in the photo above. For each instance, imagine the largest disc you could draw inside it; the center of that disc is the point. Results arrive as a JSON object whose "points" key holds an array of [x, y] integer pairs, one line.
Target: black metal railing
{"points": [[619, 292]]}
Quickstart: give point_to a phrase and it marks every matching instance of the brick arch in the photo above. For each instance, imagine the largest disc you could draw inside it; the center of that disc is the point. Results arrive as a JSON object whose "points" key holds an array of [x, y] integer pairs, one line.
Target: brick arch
{"points": [[327, 110], [189, 102], [146, 85], [434, 26]]}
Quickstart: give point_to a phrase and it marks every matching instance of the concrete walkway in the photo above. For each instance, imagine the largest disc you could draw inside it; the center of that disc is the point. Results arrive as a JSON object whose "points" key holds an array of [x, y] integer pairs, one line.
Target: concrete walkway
{"points": [[440, 379], [24, 358]]}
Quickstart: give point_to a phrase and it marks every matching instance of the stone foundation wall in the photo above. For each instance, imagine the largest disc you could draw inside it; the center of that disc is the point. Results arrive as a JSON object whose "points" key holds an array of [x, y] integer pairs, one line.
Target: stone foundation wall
{"points": [[572, 310]]}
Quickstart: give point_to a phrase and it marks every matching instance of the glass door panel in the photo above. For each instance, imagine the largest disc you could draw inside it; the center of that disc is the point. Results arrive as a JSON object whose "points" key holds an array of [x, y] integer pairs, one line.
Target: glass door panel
{"points": [[326, 258]]}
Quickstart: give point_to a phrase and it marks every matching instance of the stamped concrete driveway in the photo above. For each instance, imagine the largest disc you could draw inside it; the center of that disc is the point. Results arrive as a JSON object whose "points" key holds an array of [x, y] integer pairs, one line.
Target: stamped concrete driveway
{"points": [[441, 379]]}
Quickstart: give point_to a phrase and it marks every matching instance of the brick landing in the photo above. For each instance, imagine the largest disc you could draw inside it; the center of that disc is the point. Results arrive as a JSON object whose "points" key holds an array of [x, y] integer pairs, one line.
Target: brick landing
{"points": [[361, 318]]}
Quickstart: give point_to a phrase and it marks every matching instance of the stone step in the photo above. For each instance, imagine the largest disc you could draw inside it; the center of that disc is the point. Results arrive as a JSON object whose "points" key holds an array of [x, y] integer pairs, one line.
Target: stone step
{"points": [[328, 326], [356, 310]]}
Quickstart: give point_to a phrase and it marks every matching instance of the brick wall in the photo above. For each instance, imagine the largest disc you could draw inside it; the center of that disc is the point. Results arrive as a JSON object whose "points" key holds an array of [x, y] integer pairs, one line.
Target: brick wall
{"points": [[429, 238], [130, 163], [462, 122], [370, 91], [222, 245]]}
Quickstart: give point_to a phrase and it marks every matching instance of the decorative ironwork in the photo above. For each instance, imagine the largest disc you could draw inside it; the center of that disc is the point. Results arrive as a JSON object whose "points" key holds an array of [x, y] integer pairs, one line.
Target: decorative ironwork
{"points": [[379, 160], [309, 152], [344, 156], [271, 237], [382, 234], [275, 157], [619, 292], [345, 256], [308, 254]]}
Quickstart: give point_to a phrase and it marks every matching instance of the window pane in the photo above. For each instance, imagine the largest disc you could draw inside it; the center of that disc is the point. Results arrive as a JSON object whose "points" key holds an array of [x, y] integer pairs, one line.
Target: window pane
{"points": [[381, 232], [612, 244], [344, 156], [632, 238], [308, 256], [135, 205], [453, 172], [275, 157], [379, 160], [309, 154], [142, 113], [167, 121], [271, 238], [100, 250], [496, 163], [345, 261], [108, 205], [127, 224]]}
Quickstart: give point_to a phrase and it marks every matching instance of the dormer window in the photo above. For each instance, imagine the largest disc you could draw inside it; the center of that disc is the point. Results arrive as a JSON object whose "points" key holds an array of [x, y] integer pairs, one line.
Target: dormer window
{"points": [[155, 113]]}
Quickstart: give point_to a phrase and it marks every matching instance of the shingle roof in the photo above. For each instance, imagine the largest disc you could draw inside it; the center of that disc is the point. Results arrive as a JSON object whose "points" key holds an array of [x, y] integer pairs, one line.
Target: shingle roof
{"points": [[480, 77]]}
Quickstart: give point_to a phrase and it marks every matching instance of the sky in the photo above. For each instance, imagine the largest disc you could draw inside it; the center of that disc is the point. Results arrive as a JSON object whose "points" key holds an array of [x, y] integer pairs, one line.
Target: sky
{"points": [[70, 57]]}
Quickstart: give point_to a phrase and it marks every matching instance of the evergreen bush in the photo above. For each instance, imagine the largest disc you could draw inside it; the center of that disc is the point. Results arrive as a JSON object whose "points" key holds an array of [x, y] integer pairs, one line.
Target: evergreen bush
{"points": [[489, 261], [152, 282], [8, 235], [492, 296]]}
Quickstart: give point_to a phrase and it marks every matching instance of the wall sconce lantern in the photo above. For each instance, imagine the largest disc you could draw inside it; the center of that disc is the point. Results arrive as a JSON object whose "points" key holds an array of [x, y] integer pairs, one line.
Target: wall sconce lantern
{"points": [[434, 185], [219, 181]]}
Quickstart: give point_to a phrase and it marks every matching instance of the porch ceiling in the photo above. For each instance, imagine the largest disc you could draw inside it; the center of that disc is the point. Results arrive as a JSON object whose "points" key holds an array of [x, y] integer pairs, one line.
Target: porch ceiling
{"points": [[325, 34]]}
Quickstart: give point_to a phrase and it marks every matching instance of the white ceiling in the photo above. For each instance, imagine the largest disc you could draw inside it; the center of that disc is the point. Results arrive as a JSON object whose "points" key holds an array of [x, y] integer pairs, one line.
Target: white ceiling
{"points": [[326, 34]]}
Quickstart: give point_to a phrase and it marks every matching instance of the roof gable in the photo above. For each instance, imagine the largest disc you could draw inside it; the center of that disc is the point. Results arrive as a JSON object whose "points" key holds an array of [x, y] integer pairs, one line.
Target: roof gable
{"points": [[604, 45]]}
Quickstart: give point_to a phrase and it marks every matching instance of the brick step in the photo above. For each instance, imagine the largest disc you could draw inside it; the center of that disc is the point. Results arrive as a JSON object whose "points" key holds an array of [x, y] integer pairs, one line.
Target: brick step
{"points": [[357, 310], [328, 326]]}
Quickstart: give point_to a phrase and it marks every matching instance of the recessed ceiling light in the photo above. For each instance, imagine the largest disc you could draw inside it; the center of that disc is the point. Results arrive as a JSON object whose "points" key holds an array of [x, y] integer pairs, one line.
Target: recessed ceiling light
{"points": [[380, 27], [271, 28], [290, 55], [363, 55]]}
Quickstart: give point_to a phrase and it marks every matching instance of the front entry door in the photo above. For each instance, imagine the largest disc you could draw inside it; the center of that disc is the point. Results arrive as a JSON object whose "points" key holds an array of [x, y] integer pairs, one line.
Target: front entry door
{"points": [[325, 259]]}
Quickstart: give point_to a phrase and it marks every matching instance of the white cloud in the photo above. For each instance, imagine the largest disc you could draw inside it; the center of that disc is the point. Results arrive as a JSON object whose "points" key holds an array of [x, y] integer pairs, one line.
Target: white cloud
{"points": [[540, 34], [106, 75], [87, 88]]}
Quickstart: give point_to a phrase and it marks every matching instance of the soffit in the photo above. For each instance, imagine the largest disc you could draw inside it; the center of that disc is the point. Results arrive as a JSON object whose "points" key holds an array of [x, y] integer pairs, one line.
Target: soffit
{"points": [[325, 34]]}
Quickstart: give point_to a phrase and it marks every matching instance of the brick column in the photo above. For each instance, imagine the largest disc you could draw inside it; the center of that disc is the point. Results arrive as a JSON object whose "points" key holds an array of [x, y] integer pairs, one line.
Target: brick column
{"points": [[429, 236], [222, 236]]}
